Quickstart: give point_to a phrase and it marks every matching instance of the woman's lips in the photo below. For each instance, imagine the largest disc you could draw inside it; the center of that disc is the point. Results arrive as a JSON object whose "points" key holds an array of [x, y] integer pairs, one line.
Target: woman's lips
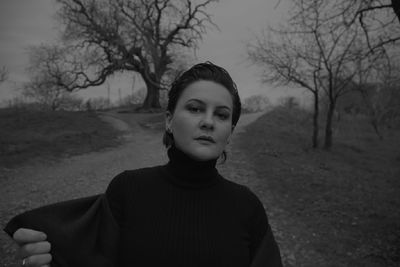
{"points": [[206, 139]]}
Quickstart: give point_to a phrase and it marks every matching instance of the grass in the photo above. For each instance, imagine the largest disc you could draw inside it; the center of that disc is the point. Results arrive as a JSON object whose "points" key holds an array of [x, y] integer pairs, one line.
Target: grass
{"points": [[337, 208], [31, 135]]}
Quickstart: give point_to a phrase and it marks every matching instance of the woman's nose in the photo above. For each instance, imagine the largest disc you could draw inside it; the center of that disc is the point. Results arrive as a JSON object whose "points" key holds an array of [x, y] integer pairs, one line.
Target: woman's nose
{"points": [[207, 121]]}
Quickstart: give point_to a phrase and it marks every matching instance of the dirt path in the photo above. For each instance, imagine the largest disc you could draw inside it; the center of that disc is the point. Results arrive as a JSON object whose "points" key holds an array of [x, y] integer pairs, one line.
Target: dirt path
{"points": [[43, 183]]}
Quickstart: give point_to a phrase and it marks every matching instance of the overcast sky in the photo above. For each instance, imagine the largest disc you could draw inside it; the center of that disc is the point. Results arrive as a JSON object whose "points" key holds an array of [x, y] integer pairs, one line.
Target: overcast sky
{"points": [[30, 22]]}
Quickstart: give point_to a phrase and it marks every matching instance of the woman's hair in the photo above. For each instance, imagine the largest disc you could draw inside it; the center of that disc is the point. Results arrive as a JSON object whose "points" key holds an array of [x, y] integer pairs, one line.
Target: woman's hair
{"points": [[208, 72]]}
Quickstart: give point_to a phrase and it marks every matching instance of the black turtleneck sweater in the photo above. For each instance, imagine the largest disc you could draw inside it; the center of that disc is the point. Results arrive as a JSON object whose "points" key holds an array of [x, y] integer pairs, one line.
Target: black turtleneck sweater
{"points": [[185, 214]]}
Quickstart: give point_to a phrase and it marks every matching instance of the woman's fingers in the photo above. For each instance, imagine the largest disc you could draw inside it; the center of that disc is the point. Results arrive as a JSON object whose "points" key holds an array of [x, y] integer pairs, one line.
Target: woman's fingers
{"points": [[23, 235], [38, 260], [31, 249]]}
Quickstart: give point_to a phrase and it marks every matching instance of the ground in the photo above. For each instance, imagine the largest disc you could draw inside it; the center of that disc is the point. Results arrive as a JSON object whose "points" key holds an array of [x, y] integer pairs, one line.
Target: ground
{"points": [[337, 208], [329, 208]]}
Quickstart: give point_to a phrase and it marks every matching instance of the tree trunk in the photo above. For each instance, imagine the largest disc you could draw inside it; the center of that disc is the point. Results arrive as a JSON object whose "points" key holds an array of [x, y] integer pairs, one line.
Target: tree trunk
{"points": [[315, 121], [328, 126], [152, 100]]}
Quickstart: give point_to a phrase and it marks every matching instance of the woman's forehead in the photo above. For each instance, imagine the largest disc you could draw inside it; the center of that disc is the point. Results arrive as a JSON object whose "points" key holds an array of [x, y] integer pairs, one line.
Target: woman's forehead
{"points": [[207, 91]]}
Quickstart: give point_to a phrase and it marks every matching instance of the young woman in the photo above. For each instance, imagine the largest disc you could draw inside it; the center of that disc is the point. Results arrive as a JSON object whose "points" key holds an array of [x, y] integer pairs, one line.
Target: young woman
{"points": [[183, 213]]}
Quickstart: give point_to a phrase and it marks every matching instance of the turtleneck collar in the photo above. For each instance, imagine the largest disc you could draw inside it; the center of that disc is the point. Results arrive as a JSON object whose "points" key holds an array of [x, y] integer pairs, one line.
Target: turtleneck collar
{"points": [[187, 172]]}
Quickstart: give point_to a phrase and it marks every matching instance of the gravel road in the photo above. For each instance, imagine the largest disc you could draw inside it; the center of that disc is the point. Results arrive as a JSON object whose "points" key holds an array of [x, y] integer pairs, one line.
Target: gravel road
{"points": [[43, 183]]}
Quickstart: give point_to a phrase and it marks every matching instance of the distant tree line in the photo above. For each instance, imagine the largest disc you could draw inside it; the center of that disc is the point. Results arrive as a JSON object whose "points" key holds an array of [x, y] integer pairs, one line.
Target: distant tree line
{"points": [[256, 103]]}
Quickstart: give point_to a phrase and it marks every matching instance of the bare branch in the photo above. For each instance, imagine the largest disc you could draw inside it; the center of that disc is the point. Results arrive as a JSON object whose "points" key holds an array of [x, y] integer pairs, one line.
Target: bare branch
{"points": [[379, 20]]}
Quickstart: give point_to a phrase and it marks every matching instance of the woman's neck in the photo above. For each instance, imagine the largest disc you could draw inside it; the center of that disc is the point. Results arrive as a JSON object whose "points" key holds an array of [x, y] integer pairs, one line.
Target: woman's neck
{"points": [[188, 172]]}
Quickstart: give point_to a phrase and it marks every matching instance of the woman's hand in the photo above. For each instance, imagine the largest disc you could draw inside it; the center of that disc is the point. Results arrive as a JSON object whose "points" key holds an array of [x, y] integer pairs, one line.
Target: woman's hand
{"points": [[33, 250]]}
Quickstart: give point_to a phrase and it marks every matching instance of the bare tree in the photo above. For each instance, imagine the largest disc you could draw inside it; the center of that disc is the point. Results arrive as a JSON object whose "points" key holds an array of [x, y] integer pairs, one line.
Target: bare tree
{"points": [[380, 93], [140, 36], [42, 93], [277, 55], [3, 74], [50, 69], [317, 51]]}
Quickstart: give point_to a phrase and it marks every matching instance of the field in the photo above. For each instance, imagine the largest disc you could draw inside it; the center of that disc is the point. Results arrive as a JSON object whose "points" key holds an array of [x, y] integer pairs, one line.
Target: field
{"points": [[338, 208], [327, 208], [30, 136]]}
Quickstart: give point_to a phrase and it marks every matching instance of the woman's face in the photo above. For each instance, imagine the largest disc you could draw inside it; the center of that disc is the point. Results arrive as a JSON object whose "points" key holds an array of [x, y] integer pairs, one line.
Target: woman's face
{"points": [[202, 120]]}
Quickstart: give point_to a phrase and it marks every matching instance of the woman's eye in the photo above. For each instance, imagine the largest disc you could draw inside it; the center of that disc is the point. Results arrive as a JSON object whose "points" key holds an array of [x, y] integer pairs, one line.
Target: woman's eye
{"points": [[223, 116], [194, 109]]}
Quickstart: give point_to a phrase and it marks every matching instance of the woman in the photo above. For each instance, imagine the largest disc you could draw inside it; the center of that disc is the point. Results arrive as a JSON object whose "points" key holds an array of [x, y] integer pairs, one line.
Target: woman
{"points": [[184, 213]]}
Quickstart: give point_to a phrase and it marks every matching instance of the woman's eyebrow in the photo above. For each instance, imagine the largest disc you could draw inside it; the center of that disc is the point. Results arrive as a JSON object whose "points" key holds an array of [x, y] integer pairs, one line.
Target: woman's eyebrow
{"points": [[204, 103]]}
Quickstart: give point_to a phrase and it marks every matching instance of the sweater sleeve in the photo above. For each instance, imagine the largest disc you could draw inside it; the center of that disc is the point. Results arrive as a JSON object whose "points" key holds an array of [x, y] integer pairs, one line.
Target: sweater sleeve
{"points": [[264, 250], [82, 231], [116, 195]]}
